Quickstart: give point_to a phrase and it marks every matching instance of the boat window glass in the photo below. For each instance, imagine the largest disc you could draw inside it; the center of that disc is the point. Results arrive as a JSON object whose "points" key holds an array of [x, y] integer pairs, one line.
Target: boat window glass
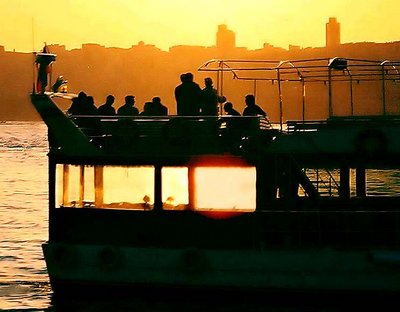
{"points": [[105, 186], [59, 186], [74, 186], [89, 186], [175, 188], [224, 188], [128, 187]]}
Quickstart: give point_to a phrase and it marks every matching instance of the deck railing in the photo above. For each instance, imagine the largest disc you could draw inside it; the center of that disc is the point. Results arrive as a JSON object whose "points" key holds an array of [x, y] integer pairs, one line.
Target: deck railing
{"points": [[346, 73]]}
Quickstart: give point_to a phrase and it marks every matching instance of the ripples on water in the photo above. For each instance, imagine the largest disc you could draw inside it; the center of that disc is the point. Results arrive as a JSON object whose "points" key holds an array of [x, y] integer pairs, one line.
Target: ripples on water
{"points": [[23, 215], [23, 228]]}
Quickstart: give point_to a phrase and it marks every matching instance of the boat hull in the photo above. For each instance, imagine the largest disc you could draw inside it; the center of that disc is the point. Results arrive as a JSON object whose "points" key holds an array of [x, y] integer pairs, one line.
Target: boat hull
{"points": [[73, 266]]}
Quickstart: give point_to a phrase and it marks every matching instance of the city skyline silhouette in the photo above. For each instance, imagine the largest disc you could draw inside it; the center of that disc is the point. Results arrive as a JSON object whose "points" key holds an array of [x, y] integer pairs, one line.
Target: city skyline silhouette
{"points": [[225, 39], [147, 71]]}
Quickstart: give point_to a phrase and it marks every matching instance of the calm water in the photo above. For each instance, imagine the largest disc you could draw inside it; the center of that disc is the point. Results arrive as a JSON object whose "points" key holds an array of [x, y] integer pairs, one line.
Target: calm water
{"points": [[24, 282], [23, 215]]}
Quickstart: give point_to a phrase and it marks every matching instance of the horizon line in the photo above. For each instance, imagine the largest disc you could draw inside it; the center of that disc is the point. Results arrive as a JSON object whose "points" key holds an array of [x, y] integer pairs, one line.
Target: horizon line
{"points": [[142, 43]]}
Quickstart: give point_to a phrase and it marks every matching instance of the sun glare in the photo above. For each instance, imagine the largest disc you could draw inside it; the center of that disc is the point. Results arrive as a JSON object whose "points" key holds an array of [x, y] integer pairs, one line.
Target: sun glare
{"points": [[225, 188]]}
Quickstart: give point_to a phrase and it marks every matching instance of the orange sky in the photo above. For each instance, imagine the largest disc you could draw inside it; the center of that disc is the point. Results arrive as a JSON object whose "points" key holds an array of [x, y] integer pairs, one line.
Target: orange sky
{"points": [[165, 23]]}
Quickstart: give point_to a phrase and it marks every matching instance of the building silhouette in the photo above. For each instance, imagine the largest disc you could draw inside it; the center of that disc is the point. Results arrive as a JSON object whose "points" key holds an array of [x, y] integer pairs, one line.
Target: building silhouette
{"points": [[225, 38], [332, 33], [147, 71]]}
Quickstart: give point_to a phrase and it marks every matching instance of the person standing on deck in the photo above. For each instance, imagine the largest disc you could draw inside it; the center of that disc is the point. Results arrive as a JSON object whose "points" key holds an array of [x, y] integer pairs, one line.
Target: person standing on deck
{"points": [[128, 109], [107, 109], [188, 96], [209, 105], [178, 95]]}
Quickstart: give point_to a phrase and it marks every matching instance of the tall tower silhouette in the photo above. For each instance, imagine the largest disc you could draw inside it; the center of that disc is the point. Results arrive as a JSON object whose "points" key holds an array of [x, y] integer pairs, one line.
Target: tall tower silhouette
{"points": [[225, 38], [332, 33]]}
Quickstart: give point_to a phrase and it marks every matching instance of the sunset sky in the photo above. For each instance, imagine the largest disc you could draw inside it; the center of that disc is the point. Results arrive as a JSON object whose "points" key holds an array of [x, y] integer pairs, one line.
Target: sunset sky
{"points": [[165, 23]]}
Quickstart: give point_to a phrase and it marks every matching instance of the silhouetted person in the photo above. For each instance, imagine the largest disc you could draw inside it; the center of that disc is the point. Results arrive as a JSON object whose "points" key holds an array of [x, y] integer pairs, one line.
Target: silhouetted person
{"points": [[128, 109], [209, 97], [83, 108], [78, 104], [229, 110], [107, 109], [178, 95], [252, 109], [60, 85], [147, 109], [188, 96], [43, 61], [89, 107], [158, 108], [73, 109], [126, 130]]}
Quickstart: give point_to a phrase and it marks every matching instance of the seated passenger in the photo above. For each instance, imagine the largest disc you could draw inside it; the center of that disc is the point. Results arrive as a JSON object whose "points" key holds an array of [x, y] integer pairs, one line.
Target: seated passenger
{"points": [[229, 110], [107, 109], [128, 109], [147, 109], [252, 109], [89, 107], [78, 104], [158, 108]]}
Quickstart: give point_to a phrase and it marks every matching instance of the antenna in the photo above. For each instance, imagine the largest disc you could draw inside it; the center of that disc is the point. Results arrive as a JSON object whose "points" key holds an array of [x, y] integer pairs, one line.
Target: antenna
{"points": [[34, 58]]}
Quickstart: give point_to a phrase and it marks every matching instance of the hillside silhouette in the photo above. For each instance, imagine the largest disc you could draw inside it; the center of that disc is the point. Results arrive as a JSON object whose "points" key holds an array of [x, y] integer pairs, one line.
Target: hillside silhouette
{"points": [[146, 71]]}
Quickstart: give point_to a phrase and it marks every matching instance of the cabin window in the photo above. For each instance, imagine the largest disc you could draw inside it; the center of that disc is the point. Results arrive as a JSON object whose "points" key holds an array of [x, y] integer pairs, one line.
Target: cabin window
{"points": [[175, 192], [229, 188], [224, 188], [128, 187], [74, 186], [105, 186]]}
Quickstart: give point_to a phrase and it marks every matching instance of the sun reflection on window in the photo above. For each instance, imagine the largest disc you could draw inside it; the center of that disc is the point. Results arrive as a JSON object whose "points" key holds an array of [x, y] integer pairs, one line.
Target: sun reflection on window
{"points": [[231, 188]]}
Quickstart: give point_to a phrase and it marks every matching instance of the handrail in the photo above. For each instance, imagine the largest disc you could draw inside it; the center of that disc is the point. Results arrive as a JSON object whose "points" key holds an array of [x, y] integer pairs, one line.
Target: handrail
{"points": [[325, 70], [307, 69]]}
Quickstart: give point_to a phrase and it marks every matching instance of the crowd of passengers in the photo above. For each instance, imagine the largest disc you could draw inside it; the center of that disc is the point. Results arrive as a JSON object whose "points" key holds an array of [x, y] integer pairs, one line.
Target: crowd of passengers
{"points": [[191, 100]]}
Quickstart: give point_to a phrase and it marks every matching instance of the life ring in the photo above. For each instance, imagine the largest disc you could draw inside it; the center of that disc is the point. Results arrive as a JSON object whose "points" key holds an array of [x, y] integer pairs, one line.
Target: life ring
{"points": [[110, 258], [371, 143], [194, 261], [65, 256]]}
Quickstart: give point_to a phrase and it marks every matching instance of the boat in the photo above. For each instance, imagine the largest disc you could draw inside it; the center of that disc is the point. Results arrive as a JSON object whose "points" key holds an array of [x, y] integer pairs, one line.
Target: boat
{"points": [[200, 203]]}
